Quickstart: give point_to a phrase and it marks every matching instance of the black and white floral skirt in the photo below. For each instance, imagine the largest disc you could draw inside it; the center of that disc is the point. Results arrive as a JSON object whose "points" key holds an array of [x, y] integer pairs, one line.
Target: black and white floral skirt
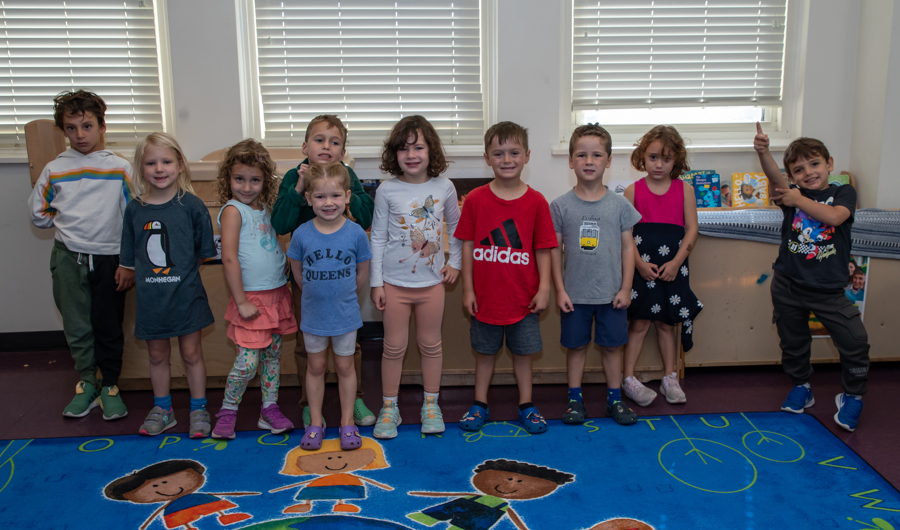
{"points": [[668, 302]]}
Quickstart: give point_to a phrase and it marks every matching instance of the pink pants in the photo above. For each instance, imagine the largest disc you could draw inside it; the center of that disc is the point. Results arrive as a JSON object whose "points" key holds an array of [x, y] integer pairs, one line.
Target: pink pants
{"points": [[429, 306]]}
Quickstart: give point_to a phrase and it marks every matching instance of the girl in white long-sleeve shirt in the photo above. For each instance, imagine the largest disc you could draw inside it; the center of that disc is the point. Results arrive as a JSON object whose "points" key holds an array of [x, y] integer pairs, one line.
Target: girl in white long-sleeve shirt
{"points": [[408, 269]]}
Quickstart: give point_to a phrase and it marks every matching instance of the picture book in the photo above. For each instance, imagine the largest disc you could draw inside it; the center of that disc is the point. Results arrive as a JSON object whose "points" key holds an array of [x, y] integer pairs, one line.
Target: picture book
{"points": [[749, 190], [707, 190]]}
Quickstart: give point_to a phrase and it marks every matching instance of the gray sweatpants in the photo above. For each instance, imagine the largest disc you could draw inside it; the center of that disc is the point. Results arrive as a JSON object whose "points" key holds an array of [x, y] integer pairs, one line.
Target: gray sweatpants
{"points": [[793, 303]]}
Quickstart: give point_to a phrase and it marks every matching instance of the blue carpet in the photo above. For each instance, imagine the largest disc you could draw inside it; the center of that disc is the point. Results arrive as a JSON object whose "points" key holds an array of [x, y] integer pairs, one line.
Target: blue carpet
{"points": [[734, 471]]}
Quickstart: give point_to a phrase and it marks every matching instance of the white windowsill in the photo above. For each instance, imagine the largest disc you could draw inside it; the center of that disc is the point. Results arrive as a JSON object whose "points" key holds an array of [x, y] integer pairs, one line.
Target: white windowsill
{"points": [[776, 144]]}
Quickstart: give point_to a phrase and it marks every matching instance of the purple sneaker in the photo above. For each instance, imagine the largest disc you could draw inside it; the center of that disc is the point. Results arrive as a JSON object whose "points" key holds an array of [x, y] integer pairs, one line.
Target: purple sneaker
{"points": [[225, 424], [271, 418]]}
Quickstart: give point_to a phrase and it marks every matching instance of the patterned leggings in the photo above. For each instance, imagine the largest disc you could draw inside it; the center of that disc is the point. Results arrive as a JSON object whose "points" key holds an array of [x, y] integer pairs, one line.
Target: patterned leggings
{"points": [[244, 369]]}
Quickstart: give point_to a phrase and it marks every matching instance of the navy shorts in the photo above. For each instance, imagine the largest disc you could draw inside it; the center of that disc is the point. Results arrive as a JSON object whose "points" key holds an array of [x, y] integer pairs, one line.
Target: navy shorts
{"points": [[611, 328], [522, 338]]}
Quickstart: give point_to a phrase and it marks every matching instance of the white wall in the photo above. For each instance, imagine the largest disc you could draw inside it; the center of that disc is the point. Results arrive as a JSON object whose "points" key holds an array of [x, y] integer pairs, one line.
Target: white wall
{"points": [[835, 107]]}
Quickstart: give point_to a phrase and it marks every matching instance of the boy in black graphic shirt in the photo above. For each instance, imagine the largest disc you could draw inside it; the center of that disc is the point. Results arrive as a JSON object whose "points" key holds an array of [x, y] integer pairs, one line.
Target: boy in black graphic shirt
{"points": [[811, 273]]}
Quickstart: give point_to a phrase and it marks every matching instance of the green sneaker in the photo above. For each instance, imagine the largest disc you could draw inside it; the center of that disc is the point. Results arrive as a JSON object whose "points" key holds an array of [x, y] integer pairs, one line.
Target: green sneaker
{"points": [[388, 420], [432, 418], [157, 421], [306, 418], [362, 416], [111, 403], [85, 399]]}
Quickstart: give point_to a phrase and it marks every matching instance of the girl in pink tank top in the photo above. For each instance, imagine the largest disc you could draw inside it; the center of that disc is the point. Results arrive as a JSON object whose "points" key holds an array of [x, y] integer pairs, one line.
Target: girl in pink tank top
{"points": [[664, 237]]}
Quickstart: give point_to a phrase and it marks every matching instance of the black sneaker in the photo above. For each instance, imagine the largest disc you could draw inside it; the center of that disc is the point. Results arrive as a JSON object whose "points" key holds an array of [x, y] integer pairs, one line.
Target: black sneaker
{"points": [[621, 413], [575, 413]]}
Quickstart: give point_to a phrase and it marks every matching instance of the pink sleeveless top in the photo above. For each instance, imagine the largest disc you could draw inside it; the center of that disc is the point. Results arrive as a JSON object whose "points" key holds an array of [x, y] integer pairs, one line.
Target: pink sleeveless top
{"points": [[667, 208]]}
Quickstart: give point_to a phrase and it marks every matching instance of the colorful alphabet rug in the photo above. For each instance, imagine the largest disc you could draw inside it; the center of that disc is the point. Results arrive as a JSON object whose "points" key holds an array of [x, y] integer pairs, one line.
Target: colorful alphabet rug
{"points": [[754, 470]]}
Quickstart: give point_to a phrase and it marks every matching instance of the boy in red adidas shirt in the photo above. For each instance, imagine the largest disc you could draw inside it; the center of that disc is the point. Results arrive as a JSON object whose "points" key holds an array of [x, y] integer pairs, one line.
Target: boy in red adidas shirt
{"points": [[507, 235]]}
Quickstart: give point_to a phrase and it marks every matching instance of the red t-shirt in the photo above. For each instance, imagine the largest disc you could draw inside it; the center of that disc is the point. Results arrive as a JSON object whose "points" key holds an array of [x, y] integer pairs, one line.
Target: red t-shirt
{"points": [[505, 233]]}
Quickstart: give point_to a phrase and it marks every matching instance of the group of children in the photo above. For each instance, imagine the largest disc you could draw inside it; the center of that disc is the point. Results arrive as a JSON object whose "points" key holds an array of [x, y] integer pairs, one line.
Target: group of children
{"points": [[626, 265]]}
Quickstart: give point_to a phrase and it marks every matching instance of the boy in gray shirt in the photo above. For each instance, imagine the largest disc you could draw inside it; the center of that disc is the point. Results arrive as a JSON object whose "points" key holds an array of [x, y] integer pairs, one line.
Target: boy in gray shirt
{"points": [[594, 224]]}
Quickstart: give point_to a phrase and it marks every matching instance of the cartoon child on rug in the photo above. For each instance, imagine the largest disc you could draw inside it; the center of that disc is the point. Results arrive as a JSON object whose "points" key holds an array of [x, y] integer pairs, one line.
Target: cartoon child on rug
{"points": [[498, 481], [175, 483], [337, 483]]}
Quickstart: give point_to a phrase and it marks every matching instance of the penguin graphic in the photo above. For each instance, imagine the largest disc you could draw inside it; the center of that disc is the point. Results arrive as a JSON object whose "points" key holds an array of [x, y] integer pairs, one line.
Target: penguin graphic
{"points": [[158, 246]]}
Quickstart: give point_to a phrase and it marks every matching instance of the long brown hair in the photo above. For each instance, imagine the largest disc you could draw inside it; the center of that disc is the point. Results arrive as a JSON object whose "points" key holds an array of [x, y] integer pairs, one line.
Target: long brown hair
{"points": [[399, 138], [252, 154]]}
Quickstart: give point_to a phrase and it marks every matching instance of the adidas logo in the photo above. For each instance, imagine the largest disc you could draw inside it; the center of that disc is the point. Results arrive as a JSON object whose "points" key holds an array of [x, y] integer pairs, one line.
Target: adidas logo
{"points": [[506, 235]]}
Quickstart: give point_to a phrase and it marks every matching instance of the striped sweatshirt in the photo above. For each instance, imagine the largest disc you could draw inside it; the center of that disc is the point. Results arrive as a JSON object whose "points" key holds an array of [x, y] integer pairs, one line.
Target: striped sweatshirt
{"points": [[84, 197]]}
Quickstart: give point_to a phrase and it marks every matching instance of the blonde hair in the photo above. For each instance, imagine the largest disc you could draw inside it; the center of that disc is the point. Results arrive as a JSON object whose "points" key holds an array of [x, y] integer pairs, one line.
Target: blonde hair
{"points": [[332, 446], [139, 189], [335, 171], [252, 154]]}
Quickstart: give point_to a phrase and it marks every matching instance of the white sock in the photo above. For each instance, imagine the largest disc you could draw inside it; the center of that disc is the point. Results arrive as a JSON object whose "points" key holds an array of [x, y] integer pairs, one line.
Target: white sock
{"points": [[805, 384], [268, 404], [429, 394], [391, 399]]}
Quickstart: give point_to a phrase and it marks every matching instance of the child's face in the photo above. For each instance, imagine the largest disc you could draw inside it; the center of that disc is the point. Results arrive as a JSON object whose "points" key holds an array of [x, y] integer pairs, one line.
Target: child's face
{"points": [[812, 173], [324, 145], [328, 199], [166, 488], [726, 196], [507, 485], [336, 462], [413, 157], [246, 184], [658, 161], [589, 159], [859, 281], [507, 160], [83, 132], [161, 167], [747, 190]]}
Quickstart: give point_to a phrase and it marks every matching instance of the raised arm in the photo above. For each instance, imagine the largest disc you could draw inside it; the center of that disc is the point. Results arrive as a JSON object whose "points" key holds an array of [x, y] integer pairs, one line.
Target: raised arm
{"points": [[767, 161]]}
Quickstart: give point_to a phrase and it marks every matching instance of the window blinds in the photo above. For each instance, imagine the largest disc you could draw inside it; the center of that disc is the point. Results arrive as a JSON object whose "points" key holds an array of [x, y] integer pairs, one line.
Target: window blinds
{"points": [[664, 53], [371, 62], [106, 46]]}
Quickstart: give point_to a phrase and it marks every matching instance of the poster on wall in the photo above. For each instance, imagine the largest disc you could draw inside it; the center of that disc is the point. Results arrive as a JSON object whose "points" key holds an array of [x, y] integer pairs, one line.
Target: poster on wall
{"points": [[855, 291]]}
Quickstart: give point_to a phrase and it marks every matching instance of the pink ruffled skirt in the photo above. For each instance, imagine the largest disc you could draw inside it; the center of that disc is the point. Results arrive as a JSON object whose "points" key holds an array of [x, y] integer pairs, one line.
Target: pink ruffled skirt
{"points": [[276, 317]]}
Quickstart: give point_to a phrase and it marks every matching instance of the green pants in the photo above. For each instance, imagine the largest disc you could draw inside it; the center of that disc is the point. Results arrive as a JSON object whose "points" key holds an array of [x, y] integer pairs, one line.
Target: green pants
{"points": [[84, 289]]}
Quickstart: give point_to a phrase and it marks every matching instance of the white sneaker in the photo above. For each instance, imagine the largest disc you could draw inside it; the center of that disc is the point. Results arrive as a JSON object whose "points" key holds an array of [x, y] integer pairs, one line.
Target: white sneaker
{"points": [[637, 392], [672, 390]]}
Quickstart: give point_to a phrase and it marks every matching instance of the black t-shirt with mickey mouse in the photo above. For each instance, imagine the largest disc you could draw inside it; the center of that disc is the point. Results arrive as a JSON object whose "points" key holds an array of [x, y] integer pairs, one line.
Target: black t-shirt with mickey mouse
{"points": [[812, 253]]}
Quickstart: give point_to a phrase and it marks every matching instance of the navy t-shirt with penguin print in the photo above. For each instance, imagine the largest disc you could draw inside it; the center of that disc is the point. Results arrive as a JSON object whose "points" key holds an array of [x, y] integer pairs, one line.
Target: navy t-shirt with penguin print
{"points": [[164, 243]]}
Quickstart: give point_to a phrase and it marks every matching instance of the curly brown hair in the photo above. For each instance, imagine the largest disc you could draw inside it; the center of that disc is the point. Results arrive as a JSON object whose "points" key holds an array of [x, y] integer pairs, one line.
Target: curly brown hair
{"points": [[671, 141], [399, 138], [78, 102], [249, 153]]}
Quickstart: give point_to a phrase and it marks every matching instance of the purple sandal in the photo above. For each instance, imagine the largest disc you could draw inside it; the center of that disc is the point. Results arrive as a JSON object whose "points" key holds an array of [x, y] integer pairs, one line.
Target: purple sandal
{"points": [[312, 438], [350, 438]]}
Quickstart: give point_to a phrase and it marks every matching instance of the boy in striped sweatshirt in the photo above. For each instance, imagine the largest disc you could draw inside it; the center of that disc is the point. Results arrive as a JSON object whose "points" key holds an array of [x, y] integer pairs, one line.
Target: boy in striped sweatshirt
{"points": [[83, 193]]}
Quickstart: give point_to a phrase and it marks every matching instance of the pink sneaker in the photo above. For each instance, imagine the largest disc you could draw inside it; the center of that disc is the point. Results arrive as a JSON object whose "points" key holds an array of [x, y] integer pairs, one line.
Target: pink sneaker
{"points": [[225, 424], [271, 418]]}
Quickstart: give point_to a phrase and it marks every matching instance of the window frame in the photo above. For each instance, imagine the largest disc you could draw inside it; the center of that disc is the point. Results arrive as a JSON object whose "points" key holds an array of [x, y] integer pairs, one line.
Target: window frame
{"points": [[19, 155], [783, 125], [251, 97]]}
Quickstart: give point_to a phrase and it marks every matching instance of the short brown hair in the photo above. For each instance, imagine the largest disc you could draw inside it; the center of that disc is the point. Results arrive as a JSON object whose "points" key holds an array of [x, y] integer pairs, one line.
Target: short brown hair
{"points": [[804, 148], [505, 131], [399, 137], [78, 102], [671, 141], [249, 153], [591, 129], [332, 121]]}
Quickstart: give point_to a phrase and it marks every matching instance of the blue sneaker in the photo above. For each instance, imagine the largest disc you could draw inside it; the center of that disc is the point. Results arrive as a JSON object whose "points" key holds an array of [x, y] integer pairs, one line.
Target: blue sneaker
{"points": [[849, 409], [799, 398]]}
